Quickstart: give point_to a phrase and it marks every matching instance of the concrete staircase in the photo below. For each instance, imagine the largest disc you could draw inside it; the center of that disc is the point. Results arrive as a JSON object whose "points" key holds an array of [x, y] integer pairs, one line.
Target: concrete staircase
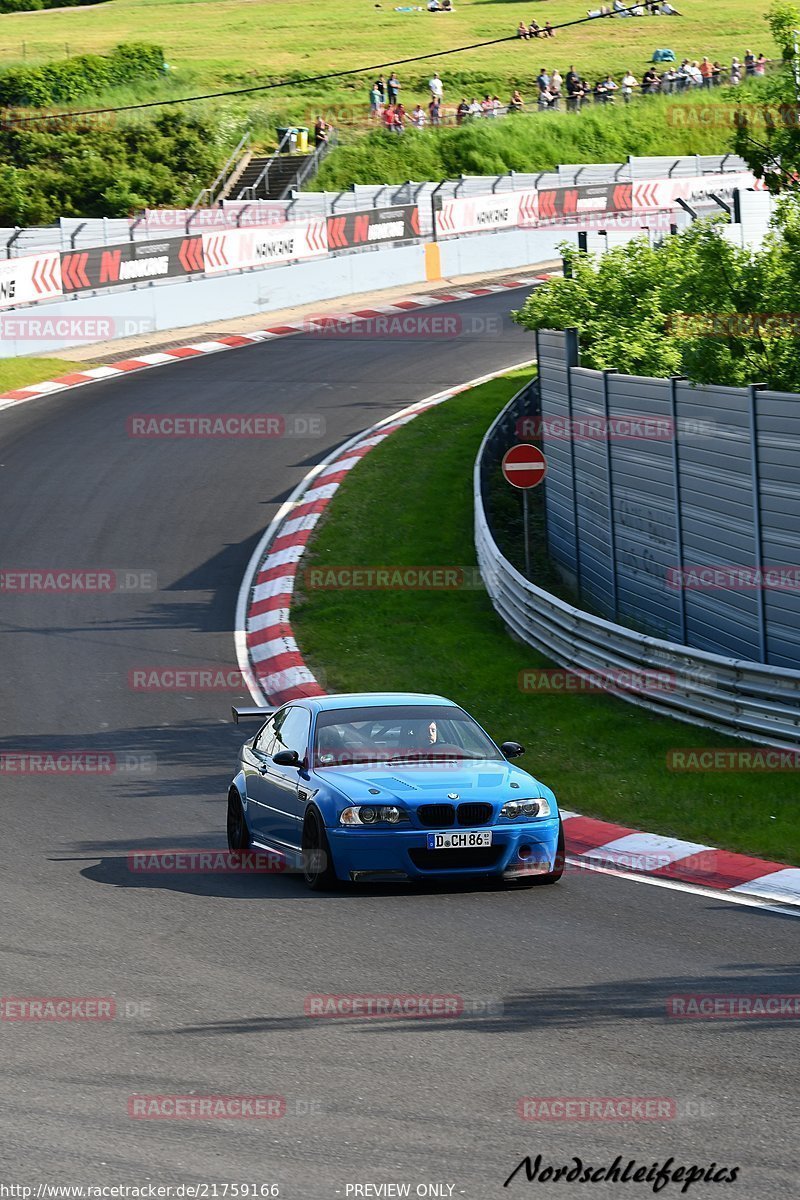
{"points": [[283, 169]]}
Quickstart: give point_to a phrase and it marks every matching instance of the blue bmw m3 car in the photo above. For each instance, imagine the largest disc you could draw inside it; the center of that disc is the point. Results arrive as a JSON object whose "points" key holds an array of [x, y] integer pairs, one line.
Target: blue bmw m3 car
{"points": [[384, 786]]}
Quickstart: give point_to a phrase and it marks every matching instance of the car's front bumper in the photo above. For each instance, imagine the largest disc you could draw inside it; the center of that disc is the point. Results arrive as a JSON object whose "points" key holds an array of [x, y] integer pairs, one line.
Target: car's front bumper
{"points": [[516, 850]]}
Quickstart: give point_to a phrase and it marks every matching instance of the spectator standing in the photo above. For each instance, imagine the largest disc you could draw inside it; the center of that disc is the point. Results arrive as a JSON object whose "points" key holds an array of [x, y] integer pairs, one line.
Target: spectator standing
{"points": [[761, 65], [749, 63], [669, 81], [418, 117], [611, 87], [736, 71], [435, 110], [706, 71], [574, 91], [436, 87], [516, 103], [462, 111], [380, 84], [388, 117], [716, 74], [543, 80], [321, 131], [487, 108], [556, 82], [474, 108], [629, 82], [650, 81], [375, 102], [393, 88]]}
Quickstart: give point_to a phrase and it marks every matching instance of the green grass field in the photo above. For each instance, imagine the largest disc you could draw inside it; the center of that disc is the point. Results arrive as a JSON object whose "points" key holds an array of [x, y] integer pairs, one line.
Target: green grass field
{"points": [[603, 757], [17, 372], [242, 42]]}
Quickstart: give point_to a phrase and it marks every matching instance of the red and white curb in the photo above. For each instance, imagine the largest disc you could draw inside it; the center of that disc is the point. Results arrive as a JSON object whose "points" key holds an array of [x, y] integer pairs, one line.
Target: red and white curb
{"points": [[276, 672], [309, 324]]}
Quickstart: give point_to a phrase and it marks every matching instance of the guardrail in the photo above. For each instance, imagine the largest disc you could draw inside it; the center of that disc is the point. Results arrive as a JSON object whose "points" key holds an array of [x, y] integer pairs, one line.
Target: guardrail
{"points": [[84, 233], [742, 698]]}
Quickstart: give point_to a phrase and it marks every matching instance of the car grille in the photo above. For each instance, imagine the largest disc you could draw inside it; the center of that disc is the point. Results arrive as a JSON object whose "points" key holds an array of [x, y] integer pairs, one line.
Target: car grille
{"points": [[477, 859], [474, 814], [434, 815]]}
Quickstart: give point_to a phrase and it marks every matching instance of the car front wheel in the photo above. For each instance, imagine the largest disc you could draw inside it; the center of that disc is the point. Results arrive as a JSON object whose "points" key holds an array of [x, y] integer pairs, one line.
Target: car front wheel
{"points": [[238, 837], [318, 872]]}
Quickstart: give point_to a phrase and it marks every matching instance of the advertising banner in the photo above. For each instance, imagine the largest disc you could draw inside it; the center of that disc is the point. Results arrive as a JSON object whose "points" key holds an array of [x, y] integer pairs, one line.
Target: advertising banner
{"points": [[470, 214], [664, 193], [30, 278], [557, 203], [238, 249], [131, 262], [373, 225]]}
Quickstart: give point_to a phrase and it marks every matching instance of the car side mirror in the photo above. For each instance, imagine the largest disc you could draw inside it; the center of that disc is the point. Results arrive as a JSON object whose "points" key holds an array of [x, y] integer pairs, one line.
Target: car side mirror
{"points": [[286, 758], [512, 749]]}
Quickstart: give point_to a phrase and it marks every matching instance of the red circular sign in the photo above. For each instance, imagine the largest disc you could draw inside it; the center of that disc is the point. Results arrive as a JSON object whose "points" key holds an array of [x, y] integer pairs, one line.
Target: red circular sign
{"points": [[524, 466]]}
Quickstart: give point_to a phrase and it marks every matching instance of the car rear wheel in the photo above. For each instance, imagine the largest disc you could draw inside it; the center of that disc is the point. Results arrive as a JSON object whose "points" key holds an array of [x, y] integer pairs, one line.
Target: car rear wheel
{"points": [[558, 868], [238, 836], [318, 872]]}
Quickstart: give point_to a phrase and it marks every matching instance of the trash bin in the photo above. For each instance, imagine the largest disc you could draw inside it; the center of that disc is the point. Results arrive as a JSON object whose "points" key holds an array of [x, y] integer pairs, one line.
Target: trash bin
{"points": [[302, 139], [287, 138]]}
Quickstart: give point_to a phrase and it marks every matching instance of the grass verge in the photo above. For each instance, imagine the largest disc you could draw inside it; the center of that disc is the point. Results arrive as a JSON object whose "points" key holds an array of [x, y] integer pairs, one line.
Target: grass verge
{"points": [[409, 503], [18, 372]]}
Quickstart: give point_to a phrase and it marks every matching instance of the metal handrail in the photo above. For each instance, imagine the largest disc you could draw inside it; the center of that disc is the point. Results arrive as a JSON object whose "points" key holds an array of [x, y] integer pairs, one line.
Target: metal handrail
{"points": [[251, 191], [208, 196], [311, 166], [744, 699]]}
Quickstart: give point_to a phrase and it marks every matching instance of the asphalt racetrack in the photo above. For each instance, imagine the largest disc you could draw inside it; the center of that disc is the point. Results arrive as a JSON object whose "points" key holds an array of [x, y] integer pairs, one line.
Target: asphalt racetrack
{"points": [[564, 989]]}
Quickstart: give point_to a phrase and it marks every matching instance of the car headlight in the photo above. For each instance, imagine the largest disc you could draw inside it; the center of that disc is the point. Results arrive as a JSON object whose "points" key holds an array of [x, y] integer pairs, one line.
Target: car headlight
{"points": [[526, 808], [372, 814]]}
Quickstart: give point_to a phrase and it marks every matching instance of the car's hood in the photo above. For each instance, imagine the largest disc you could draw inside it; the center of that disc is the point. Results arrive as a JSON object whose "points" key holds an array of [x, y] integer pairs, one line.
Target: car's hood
{"points": [[427, 783]]}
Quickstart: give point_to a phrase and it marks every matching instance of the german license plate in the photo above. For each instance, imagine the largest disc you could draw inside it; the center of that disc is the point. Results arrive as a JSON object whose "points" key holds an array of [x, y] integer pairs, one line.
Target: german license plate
{"points": [[461, 839]]}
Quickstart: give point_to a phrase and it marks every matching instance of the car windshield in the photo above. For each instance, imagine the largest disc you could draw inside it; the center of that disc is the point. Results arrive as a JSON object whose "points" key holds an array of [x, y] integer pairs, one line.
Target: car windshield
{"points": [[417, 734]]}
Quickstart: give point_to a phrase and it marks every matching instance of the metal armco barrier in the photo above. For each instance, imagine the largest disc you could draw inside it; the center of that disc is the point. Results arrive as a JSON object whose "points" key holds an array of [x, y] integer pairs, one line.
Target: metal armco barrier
{"points": [[240, 237], [741, 697]]}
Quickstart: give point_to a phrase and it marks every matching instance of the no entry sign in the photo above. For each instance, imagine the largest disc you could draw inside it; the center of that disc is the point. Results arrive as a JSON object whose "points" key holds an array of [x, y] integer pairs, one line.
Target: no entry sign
{"points": [[524, 466]]}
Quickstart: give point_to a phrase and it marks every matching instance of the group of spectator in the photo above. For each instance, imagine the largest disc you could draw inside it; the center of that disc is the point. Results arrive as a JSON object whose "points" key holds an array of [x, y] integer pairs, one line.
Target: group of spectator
{"points": [[387, 108], [577, 91]]}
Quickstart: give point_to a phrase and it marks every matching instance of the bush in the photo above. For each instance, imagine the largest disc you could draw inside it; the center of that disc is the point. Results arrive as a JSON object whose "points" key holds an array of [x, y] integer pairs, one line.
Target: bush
{"points": [[696, 305], [72, 78], [14, 6], [80, 169]]}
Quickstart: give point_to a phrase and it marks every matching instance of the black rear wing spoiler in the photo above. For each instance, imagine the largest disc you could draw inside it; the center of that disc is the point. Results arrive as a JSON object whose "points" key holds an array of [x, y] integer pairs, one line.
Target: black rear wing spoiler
{"points": [[250, 714]]}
